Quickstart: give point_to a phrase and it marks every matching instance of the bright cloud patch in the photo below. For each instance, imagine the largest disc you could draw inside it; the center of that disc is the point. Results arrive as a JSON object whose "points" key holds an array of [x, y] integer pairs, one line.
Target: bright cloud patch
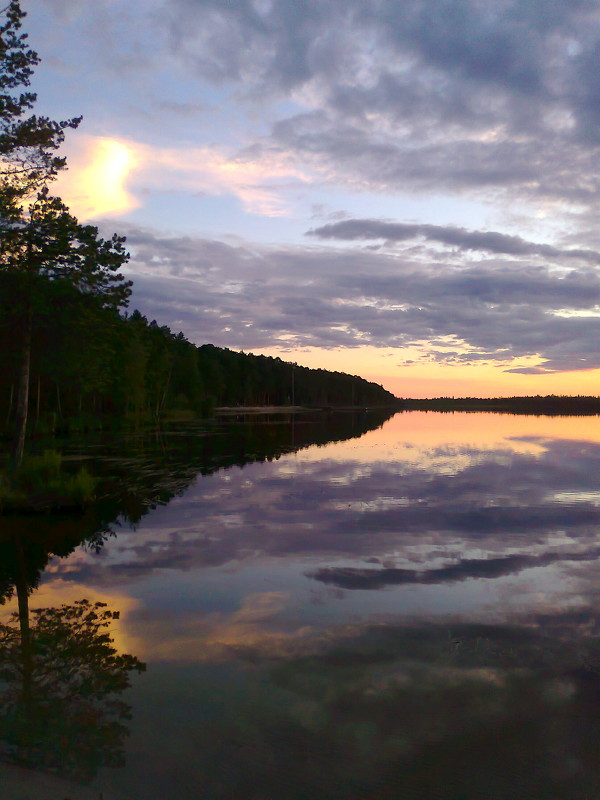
{"points": [[100, 179], [258, 181], [96, 183]]}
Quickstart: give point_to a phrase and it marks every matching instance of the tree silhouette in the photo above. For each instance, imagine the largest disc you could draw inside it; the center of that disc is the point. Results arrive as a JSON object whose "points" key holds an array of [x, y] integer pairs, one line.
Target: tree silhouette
{"points": [[28, 144], [44, 243], [61, 709], [48, 244], [60, 675]]}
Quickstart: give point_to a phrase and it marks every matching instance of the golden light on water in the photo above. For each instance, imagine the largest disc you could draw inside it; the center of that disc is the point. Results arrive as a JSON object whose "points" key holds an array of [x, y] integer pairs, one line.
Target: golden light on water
{"points": [[412, 436], [58, 591]]}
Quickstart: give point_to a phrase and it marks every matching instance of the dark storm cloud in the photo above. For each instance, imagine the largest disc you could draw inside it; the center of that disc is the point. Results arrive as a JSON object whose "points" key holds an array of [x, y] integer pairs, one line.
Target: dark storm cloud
{"points": [[287, 43], [488, 241], [427, 93]]}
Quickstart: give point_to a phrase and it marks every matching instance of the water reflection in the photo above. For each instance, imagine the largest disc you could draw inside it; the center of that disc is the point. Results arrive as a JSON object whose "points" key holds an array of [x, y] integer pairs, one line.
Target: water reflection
{"points": [[460, 710], [521, 510], [140, 472], [408, 614], [462, 570], [60, 675], [62, 679]]}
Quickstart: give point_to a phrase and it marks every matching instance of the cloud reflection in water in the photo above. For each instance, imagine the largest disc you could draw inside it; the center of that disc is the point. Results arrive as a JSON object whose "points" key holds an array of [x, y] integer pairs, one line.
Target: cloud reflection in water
{"points": [[247, 604]]}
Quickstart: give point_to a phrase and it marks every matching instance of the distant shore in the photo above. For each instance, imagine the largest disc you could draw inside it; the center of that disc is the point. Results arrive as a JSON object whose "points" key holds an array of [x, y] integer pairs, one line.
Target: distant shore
{"points": [[229, 410], [549, 405]]}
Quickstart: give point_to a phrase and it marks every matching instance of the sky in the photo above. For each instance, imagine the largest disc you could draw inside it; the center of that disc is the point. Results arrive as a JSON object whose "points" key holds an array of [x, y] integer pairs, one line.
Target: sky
{"points": [[404, 190]]}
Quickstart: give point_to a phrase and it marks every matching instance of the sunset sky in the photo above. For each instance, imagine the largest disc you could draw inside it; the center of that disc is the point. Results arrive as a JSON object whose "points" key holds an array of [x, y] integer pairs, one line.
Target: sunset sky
{"points": [[402, 189]]}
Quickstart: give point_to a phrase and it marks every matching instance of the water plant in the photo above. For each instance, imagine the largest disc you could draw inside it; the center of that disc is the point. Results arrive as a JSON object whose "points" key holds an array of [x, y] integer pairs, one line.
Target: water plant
{"points": [[41, 483]]}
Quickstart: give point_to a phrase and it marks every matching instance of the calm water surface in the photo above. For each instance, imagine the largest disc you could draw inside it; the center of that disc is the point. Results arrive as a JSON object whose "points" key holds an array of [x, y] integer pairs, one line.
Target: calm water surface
{"points": [[409, 613]]}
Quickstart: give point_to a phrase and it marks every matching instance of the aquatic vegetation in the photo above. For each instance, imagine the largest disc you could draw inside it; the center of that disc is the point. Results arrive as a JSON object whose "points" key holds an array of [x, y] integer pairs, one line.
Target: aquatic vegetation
{"points": [[41, 483]]}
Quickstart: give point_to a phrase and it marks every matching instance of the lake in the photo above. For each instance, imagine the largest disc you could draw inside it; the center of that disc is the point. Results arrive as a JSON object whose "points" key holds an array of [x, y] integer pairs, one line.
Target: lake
{"points": [[331, 606]]}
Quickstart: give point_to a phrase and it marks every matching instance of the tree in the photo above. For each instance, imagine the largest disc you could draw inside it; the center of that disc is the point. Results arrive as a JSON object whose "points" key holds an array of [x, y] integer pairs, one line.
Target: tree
{"points": [[47, 244], [28, 144]]}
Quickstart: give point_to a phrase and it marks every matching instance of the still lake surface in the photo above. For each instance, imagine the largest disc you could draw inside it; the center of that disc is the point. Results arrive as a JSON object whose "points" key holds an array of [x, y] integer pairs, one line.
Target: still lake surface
{"points": [[333, 607]]}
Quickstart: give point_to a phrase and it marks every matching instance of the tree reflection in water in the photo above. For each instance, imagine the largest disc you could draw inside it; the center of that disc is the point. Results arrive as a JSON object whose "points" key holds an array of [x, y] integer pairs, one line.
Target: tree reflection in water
{"points": [[61, 681], [61, 678]]}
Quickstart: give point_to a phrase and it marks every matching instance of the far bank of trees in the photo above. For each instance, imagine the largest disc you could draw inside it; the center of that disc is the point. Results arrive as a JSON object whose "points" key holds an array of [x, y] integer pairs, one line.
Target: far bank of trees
{"points": [[549, 405], [93, 365]]}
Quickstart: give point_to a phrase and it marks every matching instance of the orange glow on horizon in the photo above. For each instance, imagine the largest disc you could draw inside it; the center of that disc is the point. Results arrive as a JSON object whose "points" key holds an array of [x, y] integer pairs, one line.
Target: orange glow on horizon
{"points": [[425, 380], [447, 381]]}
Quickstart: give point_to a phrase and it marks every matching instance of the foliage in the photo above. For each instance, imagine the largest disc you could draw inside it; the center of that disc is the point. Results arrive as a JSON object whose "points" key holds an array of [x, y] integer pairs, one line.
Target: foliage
{"points": [[550, 405], [48, 244], [73, 719], [28, 144], [43, 243]]}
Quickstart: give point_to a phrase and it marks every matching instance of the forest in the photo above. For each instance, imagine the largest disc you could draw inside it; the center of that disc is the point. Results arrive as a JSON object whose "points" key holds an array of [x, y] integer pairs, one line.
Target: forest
{"points": [[95, 366]]}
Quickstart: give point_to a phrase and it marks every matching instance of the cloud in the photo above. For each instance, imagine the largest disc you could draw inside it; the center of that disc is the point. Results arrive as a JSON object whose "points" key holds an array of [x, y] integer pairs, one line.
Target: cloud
{"points": [[498, 99], [110, 176], [452, 96], [462, 570], [528, 371], [256, 178], [485, 241], [96, 184], [254, 297]]}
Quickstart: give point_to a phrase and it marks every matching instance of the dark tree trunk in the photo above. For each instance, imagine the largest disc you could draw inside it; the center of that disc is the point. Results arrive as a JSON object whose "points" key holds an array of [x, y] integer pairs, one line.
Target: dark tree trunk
{"points": [[22, 588], [160, 404], [37, 407], [10, 404], [23, 392]]}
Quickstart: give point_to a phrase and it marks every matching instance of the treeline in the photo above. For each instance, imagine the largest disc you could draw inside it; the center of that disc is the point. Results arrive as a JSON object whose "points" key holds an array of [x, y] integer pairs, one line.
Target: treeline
{"points": [[550, 405], [92, 366]]}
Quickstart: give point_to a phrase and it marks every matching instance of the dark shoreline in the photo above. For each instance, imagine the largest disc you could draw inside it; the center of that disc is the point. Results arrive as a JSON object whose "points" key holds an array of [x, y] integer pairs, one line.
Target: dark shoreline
{"points": [[549, 405]]}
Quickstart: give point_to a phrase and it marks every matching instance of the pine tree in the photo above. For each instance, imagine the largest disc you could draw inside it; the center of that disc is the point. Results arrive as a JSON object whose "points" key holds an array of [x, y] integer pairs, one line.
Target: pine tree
{"points": [[28, 143], [47, 243], [44, 242]]}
